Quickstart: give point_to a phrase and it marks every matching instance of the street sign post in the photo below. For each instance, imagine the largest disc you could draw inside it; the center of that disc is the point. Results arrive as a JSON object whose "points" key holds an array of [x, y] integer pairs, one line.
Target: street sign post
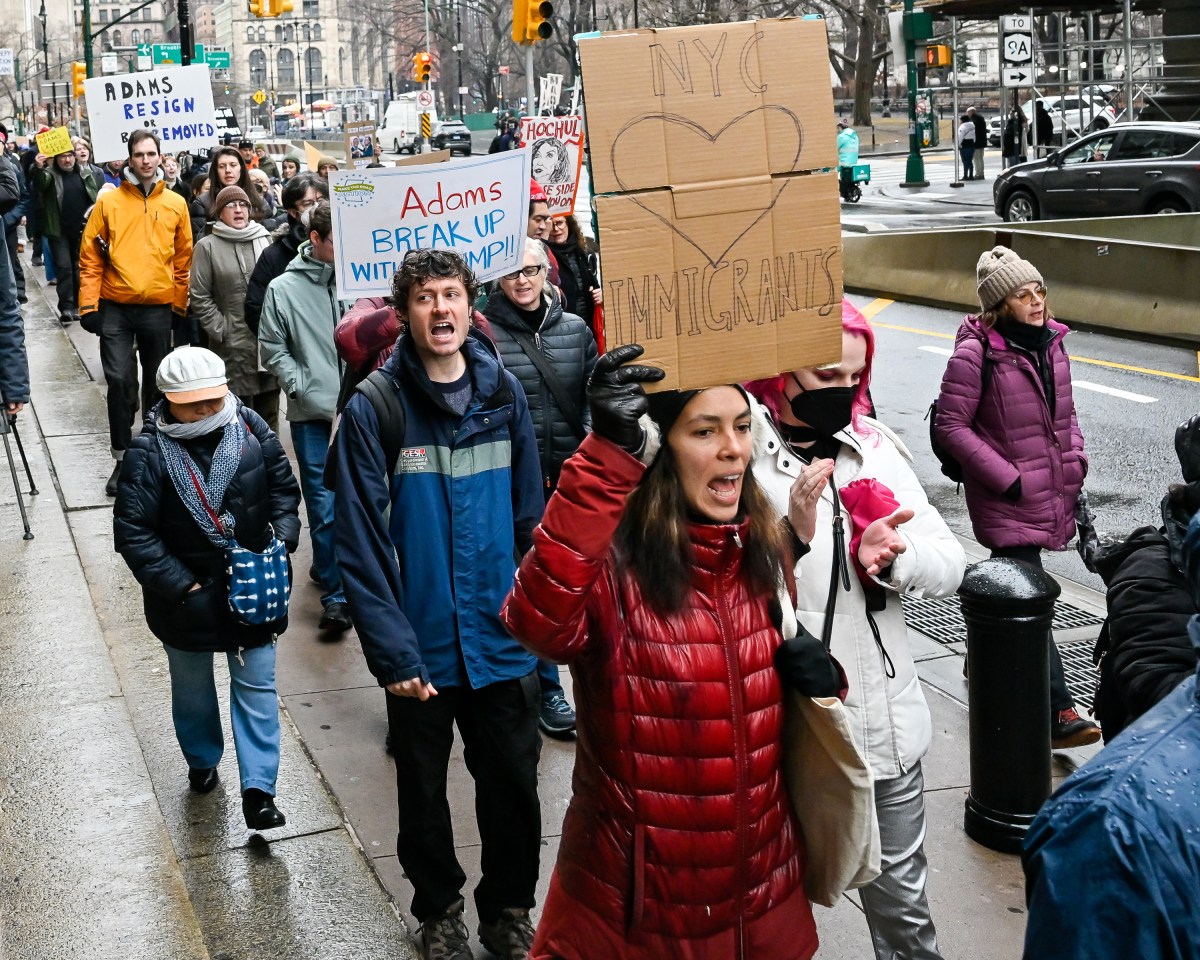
{"points": [[216, 59], [259, 97], [108, 63], [424, 99], [1016, 77], [170, 53]]}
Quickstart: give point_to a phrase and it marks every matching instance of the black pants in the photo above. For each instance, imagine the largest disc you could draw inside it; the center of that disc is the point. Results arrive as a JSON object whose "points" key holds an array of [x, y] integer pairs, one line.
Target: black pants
{"points": [[18, 270], [1060, 696], [123, 325], [65, 250], [498, 725]]}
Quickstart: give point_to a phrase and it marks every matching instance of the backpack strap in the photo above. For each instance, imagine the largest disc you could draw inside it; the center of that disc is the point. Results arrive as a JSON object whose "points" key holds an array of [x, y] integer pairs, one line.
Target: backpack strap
{"points": [[381, 390]]}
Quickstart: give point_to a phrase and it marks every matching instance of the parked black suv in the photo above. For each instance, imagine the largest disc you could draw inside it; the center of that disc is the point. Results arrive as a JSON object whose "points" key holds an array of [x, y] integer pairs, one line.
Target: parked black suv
{"points": [[454, 136], [1126, 169]]}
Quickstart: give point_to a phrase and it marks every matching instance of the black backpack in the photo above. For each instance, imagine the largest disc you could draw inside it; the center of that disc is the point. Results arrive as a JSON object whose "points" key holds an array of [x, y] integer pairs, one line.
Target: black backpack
{"points": [[377, 387], [951, 468]]}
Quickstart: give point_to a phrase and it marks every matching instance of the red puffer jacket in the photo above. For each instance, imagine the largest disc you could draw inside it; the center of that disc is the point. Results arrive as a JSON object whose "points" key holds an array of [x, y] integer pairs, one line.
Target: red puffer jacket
{"points": [[679, 840]]}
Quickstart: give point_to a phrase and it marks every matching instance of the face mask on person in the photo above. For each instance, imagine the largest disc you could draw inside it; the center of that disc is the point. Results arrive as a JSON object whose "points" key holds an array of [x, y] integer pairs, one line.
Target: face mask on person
{"points": [[826, 410]]}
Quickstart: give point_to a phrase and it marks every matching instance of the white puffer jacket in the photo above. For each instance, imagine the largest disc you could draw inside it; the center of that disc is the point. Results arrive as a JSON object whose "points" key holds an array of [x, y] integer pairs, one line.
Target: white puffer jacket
{"points": [[888, 714]]}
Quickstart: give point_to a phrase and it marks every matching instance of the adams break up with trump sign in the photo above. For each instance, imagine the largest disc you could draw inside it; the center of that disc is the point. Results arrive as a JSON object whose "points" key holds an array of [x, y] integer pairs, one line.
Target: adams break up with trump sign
{"points": [[175, 104], [479, 208]]}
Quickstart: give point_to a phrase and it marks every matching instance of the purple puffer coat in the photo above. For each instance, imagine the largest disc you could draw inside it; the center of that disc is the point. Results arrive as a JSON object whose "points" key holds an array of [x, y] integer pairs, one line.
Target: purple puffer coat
{"points": [[1007, 433]]}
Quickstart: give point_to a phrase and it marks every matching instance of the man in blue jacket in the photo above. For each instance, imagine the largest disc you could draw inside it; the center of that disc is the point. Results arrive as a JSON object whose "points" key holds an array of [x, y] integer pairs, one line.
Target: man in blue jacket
{"points": [[427, 554], [1112, 862]]}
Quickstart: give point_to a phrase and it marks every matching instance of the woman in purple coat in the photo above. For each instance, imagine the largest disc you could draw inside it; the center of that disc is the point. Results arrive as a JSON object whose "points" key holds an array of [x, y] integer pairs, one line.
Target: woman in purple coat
{"points": [[1006, 413]]}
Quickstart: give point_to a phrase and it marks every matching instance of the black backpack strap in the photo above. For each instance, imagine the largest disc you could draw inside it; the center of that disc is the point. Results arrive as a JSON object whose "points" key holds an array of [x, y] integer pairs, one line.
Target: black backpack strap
{"points": [[568, 407], [381, 390]]}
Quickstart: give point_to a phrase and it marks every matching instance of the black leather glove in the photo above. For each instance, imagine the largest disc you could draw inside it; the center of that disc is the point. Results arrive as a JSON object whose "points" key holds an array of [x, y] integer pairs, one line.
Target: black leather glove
{"points": [[91, 322], [805, 666], [616, 397]]}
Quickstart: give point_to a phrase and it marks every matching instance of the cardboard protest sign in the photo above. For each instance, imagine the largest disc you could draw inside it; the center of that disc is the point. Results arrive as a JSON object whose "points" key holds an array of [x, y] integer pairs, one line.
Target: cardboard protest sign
{"points": [[721, 235], [420, 159], [360, 144], [174, 103], [555, 156], [56, 141], [312, 156], [478, 208]]}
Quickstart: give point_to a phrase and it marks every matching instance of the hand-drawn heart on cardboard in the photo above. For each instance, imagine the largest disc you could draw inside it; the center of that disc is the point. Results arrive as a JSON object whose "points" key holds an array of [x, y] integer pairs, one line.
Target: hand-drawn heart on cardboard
{"points": [[706, 140]]}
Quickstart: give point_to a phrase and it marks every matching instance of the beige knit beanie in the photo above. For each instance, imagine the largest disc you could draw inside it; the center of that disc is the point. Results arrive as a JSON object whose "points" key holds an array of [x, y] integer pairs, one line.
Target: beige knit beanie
{"points": [[999, 272], [225, 197]]}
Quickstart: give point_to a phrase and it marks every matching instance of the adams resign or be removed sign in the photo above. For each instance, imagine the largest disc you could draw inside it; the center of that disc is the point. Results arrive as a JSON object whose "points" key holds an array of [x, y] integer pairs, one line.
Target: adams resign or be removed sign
{"points": [[176, 104], [478, 208]]}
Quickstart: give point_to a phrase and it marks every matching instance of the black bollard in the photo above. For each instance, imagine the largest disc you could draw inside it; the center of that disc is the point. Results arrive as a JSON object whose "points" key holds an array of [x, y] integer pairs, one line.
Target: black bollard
{"points": [[1008, 607]]}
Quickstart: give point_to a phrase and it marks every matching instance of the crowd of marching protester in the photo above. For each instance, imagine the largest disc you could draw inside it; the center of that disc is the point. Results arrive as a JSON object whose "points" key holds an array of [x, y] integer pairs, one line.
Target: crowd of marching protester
{"points": [[490, 496]]}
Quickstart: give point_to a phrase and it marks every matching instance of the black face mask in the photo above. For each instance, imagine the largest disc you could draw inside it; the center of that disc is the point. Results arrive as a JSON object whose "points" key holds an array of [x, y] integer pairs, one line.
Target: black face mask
{"points": [[826, 410]]}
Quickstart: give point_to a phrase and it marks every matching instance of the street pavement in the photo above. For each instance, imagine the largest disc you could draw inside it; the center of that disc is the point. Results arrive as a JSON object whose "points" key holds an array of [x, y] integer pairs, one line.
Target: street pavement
{"points": [[104, 853]]}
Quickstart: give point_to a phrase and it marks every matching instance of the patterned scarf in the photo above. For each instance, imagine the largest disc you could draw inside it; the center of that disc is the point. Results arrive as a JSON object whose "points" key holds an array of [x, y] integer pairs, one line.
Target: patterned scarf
{"points": [[202, 496]]}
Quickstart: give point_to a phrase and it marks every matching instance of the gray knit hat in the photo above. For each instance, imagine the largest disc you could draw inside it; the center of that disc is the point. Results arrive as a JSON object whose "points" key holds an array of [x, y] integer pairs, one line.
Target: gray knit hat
{"points": [[999, 272]]}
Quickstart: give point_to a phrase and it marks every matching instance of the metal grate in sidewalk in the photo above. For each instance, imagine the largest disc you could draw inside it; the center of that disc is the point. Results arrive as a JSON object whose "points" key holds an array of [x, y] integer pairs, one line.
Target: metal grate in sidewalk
{"points": [[1079, 670], [940, 618]]}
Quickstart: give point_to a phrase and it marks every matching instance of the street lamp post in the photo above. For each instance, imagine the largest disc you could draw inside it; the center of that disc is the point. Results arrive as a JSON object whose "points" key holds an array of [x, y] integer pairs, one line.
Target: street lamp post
{"points": [[45, 53], [915, 170]]}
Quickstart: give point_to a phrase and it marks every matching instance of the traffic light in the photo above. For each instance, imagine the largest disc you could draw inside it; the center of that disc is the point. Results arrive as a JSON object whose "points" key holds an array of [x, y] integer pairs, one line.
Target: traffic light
{"points": [[260, 8], [78, 75], [531, 21], [280, 7], [937, 55], [422, 66]]}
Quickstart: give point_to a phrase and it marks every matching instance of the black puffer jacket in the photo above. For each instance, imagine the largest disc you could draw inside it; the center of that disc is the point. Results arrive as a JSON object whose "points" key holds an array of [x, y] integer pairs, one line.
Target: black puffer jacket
{"points": [[1147, 651], [567, 343], [167, 552], [271, 264], [576, 277]]}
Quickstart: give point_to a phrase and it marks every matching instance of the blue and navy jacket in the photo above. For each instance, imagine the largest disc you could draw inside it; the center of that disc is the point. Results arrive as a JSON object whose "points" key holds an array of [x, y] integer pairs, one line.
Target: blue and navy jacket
{"points": [[428, 555]]}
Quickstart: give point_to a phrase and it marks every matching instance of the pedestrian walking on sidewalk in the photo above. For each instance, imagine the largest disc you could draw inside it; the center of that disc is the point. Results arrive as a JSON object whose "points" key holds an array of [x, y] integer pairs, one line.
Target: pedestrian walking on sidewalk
{"points": [[203, 457], [134, 261], [295, 339], [653, 574], [426, 546], [818, 456], [14, 361], [981, 132], [1006, 413], [67, 191], [221, 266]]}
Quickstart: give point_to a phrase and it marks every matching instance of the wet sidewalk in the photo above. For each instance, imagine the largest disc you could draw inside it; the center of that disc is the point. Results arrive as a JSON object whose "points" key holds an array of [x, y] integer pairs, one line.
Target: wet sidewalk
{"points": [[104, 853]]}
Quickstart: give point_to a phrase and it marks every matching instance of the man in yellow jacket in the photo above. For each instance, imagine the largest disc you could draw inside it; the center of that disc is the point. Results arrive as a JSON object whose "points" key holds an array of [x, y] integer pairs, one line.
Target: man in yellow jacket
{"points": [[134, 262]]}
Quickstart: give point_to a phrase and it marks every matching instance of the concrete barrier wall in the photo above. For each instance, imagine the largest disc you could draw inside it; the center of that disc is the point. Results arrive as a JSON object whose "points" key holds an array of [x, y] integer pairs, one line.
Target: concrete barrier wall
{"points": [[1098, 274]]}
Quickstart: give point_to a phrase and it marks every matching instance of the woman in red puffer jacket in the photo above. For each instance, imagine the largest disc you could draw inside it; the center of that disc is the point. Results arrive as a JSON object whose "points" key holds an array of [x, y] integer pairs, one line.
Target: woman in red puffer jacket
{"points": [[655, 584]]}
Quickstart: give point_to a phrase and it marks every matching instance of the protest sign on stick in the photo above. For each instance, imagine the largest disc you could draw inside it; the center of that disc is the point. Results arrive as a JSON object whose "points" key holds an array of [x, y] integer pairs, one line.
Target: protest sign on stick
{"points": [[360, 144], [719, 222], [56, 141], [176, 104], [479, 208], [555, 155]]}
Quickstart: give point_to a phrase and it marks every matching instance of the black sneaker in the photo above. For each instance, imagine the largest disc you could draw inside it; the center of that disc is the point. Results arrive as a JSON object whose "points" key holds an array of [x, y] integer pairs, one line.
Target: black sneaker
{"points": [[556, 718], [336, 616], [510, 936], [1069, 729], [445, 936]]}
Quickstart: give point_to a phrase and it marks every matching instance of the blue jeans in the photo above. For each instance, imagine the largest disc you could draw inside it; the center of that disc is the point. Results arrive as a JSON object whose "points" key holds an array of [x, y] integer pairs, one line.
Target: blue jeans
{"points": [[310, 438], [548, 677], [253, 710]]}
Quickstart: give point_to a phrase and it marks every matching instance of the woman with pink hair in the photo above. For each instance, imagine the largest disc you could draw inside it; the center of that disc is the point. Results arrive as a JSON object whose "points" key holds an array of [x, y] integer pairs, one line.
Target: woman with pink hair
{"points": [[865, 535]]}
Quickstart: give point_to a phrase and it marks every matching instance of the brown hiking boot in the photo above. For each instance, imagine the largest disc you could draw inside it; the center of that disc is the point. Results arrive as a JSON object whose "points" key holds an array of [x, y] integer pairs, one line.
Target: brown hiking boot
{"points": [[1069, 729], [510, 936], [445, 936]]}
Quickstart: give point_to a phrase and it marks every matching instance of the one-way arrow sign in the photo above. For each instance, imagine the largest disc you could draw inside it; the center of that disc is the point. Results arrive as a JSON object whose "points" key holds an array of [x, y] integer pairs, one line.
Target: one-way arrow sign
{"points": [[1016, 77]]}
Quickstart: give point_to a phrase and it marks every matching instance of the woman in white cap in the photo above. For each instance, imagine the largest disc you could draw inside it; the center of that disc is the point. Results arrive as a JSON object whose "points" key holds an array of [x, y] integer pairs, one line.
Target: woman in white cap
{"points": [[206, 468], [1007, 414]]}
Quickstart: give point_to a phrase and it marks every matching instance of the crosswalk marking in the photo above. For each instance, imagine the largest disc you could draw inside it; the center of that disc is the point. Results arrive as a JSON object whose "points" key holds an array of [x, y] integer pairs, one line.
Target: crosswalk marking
{"points": [[940, 351]]}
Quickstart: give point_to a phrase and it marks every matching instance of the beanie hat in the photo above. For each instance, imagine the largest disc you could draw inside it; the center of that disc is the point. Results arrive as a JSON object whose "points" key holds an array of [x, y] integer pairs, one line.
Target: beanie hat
{"points": [[665, 406], [188, 374], [999, 272], [226, 197], [324, 161], [536, 193]]}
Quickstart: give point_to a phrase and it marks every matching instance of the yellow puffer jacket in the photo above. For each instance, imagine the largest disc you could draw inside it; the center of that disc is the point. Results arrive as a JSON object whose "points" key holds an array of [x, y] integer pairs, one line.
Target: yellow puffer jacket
{"points": [[149, 242]]}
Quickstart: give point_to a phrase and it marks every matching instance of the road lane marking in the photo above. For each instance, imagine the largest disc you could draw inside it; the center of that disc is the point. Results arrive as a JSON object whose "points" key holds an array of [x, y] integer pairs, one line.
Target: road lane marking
{"points": [[940, 351], [1114, 392], [879, 304], [1150, 372]]}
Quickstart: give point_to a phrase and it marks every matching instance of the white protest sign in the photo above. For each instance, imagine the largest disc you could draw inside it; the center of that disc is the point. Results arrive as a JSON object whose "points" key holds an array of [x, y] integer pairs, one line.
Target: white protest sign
{"points": [[176, 104], [479, 208], [6, 62], [555, 155]]}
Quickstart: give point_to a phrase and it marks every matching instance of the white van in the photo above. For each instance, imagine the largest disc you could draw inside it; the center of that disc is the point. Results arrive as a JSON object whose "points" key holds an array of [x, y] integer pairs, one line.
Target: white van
{"points": [[400, 131]]}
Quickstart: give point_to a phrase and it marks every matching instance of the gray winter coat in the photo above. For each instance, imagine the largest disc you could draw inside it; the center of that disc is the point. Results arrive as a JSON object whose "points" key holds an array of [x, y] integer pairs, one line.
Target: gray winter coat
{"points": [[566, 341], [221, 266], [295, 336]]}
